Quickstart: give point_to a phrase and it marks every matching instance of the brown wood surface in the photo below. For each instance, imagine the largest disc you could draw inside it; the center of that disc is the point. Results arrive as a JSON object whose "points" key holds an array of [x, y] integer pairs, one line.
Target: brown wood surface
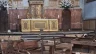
{"points": [[89, 24], [88, 43]]}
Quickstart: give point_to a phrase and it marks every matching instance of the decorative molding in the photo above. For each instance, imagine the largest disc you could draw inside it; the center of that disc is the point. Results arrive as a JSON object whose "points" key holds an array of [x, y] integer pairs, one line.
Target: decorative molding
{"points": [[37, 24], [29, 25], [36, 2], [25, 25]]}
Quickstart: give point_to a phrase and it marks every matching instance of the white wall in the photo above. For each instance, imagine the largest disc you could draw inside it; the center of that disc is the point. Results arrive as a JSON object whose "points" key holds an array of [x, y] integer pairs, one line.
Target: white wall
{"points": [[90, 10], [46, 3], [25, 3]]}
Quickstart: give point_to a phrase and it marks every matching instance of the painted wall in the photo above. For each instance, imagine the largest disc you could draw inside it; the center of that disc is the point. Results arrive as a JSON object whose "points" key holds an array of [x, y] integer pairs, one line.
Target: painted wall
{"points": [[90, 11], [48, 13], [20, 4], [25, 3], [57, 13], [46, 3]]}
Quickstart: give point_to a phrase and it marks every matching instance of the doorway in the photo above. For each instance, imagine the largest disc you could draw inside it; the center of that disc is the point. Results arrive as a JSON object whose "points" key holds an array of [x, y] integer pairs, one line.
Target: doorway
{"points": [[3, 21]]}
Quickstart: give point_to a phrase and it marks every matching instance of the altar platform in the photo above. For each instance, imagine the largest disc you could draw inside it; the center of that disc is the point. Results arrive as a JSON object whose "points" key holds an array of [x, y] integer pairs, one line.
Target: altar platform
{"points": [[38, 35]]}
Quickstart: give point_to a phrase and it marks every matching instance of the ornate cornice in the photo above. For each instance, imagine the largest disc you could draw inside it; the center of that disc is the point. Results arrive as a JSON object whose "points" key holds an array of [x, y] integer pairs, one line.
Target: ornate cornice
{"points": [[36, 2]]}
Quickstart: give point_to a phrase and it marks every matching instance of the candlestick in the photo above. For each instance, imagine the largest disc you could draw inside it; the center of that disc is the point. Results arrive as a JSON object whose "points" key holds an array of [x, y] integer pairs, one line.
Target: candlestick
{"points": [[18, 16]]}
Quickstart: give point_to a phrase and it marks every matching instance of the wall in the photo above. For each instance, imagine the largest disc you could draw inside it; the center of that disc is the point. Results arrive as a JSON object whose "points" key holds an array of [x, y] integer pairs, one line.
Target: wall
{"points": [[76, 17], [54, 13], [13, 17], [48, 13], [90, 11]]}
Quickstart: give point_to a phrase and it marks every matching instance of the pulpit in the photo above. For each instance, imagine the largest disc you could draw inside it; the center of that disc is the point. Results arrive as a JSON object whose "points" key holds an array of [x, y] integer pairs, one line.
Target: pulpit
{"points": [[28, 25]]}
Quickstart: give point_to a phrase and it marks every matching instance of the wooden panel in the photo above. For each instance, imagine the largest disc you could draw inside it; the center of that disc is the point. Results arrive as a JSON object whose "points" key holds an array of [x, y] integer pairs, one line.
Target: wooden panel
{"points": [[92, 24], [53, 24], [37, 24], [89, 43], [11, 37], [25, 25], [86, 24], [29, 44], [89, 25]]}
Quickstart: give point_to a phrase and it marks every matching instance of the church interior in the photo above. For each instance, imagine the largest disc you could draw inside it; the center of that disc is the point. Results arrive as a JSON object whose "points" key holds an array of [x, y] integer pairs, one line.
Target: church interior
{"points": [[47, 27]]}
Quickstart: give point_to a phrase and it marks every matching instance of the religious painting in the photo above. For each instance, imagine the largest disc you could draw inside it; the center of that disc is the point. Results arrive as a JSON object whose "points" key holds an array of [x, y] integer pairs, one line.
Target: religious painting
{"points": [[25, 25]]}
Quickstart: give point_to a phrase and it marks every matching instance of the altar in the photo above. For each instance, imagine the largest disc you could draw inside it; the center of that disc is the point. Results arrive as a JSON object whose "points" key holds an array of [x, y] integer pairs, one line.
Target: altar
{"points": [[29, 25]]}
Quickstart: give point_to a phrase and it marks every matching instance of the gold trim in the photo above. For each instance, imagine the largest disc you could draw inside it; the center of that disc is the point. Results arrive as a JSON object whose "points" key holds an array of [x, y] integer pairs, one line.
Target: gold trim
{"points": [[36, 2], [25, 25], [36, 23], [53, 24]]}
